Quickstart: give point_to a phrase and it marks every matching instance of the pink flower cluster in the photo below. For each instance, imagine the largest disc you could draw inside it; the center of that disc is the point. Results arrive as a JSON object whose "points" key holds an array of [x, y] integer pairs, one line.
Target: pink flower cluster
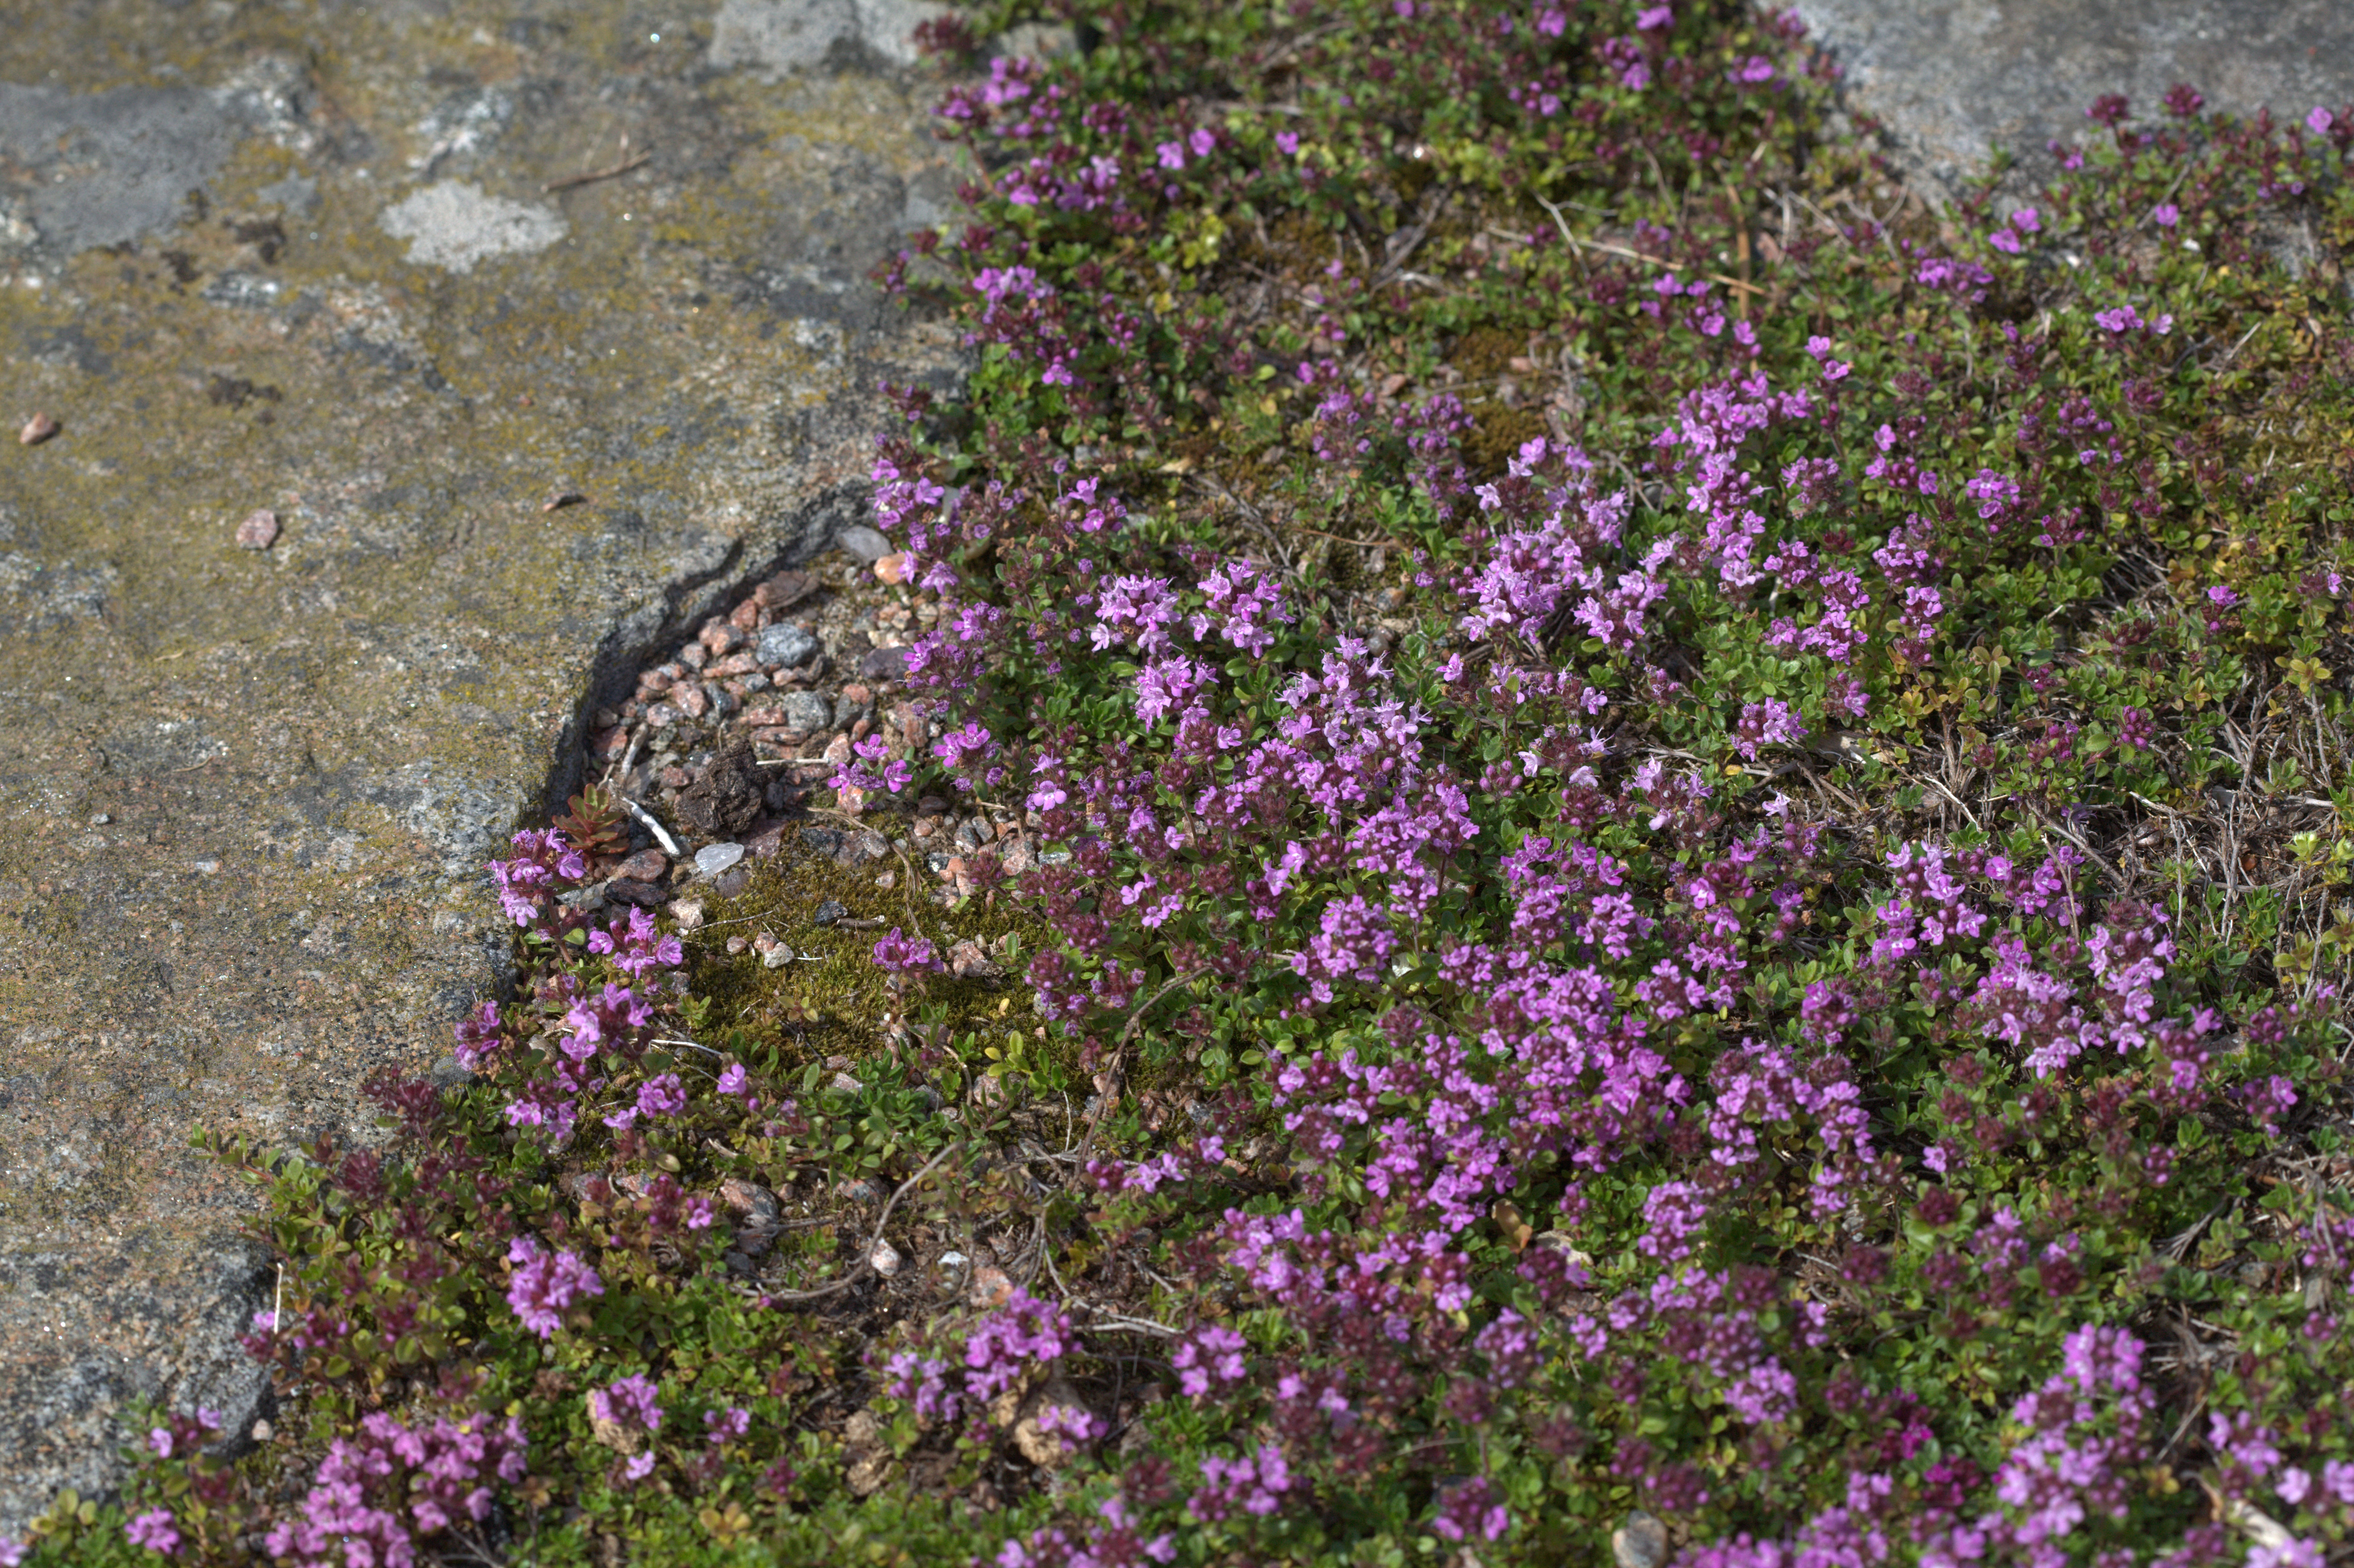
{"points": [[437, 1476]]}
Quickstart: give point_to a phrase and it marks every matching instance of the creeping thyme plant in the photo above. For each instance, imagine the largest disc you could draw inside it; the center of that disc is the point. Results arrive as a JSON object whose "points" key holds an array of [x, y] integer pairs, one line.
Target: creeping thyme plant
{"points": [[1697, 817]]}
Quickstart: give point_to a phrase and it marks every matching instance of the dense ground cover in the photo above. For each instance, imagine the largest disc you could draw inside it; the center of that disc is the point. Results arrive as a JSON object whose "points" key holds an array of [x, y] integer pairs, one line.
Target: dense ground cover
{"points": [[1698, 819]]}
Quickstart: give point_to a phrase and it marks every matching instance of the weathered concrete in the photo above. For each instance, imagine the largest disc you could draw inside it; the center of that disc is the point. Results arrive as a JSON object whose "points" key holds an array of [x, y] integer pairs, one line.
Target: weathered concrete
{"points": [[299, 255], [1956, 79]]}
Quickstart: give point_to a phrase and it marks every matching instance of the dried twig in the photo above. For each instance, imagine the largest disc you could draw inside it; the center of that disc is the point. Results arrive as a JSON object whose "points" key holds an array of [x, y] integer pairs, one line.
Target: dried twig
{"points": [[661, 834], [593, 175], [1112, 1070], [867, 1254], [1577, 244]]}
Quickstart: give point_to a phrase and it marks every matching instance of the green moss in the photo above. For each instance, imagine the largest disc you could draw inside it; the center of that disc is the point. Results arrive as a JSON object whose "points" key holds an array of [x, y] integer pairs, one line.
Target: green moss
{"points": [[839, 1005]]}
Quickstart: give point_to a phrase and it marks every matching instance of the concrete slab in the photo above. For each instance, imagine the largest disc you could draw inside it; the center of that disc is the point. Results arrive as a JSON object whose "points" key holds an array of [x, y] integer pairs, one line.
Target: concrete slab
{"points": [[304, 259], [1954, 79]]}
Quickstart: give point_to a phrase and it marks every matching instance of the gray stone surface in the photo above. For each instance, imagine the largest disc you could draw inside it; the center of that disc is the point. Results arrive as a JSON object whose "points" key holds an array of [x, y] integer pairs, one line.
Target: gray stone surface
{"points": [[807, 711], [784, 644], [302, 258], [1954, 79], [98, 168]]}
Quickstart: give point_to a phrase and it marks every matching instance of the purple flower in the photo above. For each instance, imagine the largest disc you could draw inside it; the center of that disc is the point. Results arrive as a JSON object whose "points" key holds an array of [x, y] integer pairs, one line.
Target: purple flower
{"points": [[436, 1475], [545, 1283], [1215, 1351], [1771, 723], [2320, 121], [663, 1095], [1649, 20], [1171, 154], [1004, 1345], [478, 1036], [152, 1530], [1255, 1485], [923, 1381], [726, 1426], [636, 946], [1473, 1509], [2166, 215], [1673, 1213], [626, 1401], [1509, 1343], [899, 954]]}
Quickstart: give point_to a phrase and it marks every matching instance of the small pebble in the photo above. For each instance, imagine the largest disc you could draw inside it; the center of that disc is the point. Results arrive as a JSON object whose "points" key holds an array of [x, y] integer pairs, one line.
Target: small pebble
{"points": [[784, 645], [1640, 1542], [736, 945], [259, 530], [777, 957], [713, 859], [646, 866], [892, 568], [953, 1260], [807, 711], [884, 1258], [689, 913], [830, 911], [991, 1287], [38, 429], [888, 879], [562, 499]]}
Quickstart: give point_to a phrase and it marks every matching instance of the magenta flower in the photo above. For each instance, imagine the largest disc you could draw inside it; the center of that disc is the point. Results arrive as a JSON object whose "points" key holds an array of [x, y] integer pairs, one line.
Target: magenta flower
{"points": [[1215, 1351], [631, 1401], [154, 1529], [545, 1283], [663, 1095], [901, 954]]}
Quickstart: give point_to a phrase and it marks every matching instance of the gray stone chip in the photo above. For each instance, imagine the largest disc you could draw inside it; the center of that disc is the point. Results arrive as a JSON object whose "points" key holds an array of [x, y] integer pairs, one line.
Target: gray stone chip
{"points": [[785, 645], [806, 711]]}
